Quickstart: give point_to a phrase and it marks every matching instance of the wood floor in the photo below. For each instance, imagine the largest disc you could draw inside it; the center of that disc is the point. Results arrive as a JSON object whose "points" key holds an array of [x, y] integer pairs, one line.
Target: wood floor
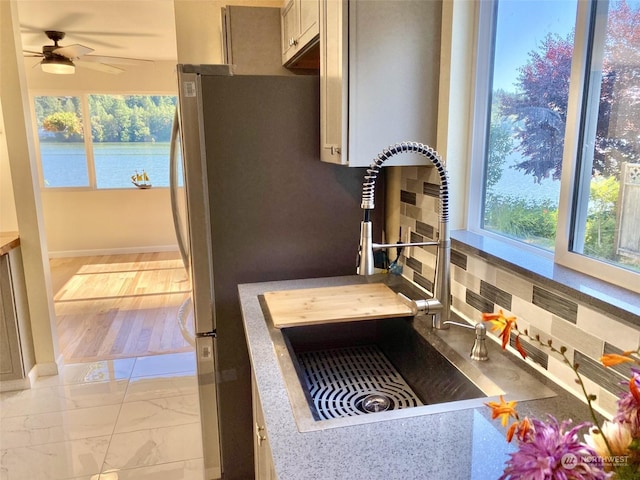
{"points": [[119, 306]]}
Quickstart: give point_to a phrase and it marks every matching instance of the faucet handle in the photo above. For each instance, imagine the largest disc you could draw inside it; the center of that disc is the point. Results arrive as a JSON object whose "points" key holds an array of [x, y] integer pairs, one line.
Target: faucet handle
{"points": [[409, 303], [421, 307], [417, 306]]}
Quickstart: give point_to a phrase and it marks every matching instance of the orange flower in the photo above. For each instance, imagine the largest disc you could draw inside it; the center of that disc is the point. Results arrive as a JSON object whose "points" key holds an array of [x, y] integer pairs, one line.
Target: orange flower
{"points": [[501, 324], [492, 316], [520, 348], [520, 429], [503, 409], [612, 359]]}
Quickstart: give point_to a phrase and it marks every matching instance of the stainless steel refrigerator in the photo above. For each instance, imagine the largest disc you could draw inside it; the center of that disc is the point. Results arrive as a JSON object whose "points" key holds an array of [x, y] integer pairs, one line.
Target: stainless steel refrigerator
{"points": [[260, 206]]}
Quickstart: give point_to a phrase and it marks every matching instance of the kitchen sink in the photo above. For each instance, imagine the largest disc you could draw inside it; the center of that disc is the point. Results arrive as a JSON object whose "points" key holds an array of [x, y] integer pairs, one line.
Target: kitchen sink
{"points": [[340, 374]]}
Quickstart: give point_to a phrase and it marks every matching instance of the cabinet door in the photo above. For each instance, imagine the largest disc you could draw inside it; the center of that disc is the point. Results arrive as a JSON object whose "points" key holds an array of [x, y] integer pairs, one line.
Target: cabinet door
{"points": [[289, 30], [308, 15], [264, 468], [300, 28], [10, 353], [393, 90], [333, 79], [374, 90]]}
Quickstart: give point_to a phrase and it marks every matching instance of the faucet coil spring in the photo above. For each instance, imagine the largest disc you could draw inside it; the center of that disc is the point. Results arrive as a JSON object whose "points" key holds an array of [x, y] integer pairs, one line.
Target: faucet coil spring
{"points": [[368, 186]]}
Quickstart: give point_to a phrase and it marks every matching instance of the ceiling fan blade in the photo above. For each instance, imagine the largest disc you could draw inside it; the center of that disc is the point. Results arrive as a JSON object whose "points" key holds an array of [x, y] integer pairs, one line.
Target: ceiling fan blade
{"points": [[73, 51], [101, 67], [35, 54], [96, 41], [117, 60], [66, 20]]}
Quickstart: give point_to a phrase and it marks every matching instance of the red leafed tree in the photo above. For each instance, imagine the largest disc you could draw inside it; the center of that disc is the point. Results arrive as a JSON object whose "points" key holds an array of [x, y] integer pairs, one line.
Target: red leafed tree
{"points": [[540, 107]]}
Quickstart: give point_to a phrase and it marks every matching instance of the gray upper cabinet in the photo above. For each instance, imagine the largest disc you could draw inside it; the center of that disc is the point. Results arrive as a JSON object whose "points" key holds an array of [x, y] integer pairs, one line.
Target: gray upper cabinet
{"points": [[251, 40], [300, 28], [379, 71]]}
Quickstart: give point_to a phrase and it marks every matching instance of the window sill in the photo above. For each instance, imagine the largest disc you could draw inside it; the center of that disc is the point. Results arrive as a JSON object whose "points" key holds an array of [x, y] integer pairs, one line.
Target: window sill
{"points": [[103, 189], [608, 298]]}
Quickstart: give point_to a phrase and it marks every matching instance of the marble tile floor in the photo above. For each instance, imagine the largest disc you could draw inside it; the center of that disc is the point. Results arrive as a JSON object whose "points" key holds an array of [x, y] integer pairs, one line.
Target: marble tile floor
{"points": [[124, 419]]}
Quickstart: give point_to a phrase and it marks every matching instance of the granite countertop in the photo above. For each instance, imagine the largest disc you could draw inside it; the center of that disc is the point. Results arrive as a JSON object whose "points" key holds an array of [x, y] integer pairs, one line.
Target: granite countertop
{"points": [[465, 444], [8, 241]]}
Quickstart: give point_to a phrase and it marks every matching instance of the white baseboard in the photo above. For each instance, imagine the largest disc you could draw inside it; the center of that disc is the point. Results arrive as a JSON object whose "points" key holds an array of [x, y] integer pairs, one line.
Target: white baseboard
{"points": [[13, 385], [113, 251], [20, 384], [50, 368], [33, 375]]}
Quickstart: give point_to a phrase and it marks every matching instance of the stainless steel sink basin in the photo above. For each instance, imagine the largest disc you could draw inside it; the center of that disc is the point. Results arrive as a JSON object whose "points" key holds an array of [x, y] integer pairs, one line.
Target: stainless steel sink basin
{"points": [[351, 373]]}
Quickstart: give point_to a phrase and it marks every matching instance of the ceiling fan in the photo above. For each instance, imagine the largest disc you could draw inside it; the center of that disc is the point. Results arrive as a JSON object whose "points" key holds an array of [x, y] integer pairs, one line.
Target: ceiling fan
{"points": [[59, 59]]}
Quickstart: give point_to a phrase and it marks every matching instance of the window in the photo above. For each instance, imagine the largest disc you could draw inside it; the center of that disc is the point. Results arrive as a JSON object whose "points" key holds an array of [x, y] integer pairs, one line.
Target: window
{"points": [[61, 134], [124, 135], [606, 218], [559, 137]]}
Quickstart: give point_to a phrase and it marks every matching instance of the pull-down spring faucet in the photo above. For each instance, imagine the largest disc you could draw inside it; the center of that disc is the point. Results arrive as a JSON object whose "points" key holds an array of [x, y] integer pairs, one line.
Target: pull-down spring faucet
{"points": [[439, 306]]}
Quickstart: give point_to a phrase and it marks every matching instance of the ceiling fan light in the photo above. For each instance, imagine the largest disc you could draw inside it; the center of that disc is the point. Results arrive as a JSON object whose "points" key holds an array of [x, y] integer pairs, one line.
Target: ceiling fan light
{"points": [[59, 66]]}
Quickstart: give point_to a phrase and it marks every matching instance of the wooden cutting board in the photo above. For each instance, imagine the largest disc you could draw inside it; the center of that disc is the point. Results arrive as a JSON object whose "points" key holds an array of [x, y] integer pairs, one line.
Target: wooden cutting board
{"points": [[294, 308]]}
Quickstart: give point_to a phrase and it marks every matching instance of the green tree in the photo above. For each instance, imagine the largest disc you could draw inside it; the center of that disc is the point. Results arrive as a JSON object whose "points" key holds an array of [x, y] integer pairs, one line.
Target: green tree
{"points": [[601, 220], [139, 125], [60, 116], [501, 143], [131, 118], [540, 107], [64, 124]]}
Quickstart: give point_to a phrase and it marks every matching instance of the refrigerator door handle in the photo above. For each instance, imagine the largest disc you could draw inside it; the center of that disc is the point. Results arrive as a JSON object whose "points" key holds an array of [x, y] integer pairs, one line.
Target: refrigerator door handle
{"points": [[198, 224], [207, 334], [173, 189]]}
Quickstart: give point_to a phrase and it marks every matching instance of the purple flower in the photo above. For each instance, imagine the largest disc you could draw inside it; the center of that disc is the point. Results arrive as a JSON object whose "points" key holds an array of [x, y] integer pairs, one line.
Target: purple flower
{"points": [[629, 405], [550, 452]]}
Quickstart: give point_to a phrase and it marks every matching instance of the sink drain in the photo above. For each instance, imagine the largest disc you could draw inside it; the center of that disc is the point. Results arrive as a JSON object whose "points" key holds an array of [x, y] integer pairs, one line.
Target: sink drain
{"points": [[342, 381], [376, 403]]}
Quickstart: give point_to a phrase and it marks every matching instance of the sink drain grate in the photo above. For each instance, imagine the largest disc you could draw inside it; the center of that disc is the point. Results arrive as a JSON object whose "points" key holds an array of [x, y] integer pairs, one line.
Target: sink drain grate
{"points": [[339, 380]]}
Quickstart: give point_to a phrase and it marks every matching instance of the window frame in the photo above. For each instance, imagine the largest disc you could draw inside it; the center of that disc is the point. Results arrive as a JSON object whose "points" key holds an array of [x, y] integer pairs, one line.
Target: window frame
{"points": [[88, 139], [569, 181], [486, 17]]}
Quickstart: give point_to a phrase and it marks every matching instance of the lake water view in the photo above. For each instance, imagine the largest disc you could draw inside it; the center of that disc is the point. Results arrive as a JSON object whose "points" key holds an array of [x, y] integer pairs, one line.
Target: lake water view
{"points": [[65, 164], [516, 184]]}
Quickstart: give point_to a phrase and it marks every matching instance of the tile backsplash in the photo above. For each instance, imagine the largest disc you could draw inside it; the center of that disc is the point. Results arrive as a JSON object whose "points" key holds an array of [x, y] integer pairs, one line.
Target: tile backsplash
{"points": [[479, 284]]}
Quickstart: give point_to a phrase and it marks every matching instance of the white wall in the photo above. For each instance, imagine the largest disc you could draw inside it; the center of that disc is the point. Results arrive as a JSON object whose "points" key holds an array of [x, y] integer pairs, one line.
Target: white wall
{"points": [[8, 218], [94, 222], [28, 205], [457, 76], [159, 77]]}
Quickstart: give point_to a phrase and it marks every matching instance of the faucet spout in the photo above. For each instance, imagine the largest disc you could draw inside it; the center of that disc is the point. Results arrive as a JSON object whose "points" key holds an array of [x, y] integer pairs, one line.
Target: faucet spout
{"points": [[441, 293], [366, 263]]}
